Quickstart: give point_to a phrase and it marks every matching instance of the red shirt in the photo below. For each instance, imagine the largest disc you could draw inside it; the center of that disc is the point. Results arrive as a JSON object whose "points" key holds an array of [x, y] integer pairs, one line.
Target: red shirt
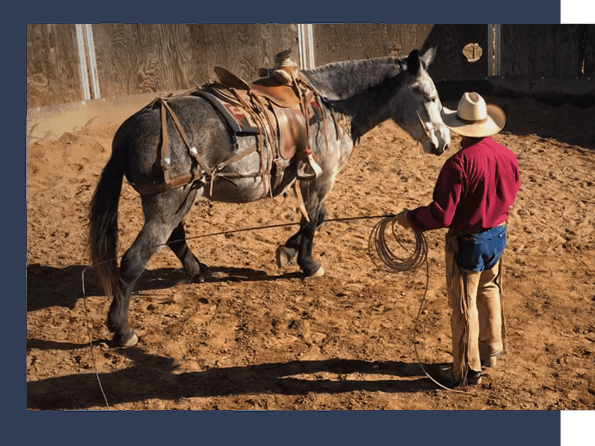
{"points": [[474, 190]]}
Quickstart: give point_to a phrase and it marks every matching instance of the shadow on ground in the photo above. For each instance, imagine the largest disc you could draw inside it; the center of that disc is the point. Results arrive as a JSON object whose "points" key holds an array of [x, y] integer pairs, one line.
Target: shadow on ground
{"points": [[49, 286], [155, 377]]}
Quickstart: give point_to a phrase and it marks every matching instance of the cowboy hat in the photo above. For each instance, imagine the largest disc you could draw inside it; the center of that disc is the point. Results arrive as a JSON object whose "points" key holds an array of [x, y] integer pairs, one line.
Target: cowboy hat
{"points": [[474, 118]]}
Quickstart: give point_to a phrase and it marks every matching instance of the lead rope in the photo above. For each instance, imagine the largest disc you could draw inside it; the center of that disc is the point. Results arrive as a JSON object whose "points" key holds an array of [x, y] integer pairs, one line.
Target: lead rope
{"points": [[281, 225], [377, 244]]}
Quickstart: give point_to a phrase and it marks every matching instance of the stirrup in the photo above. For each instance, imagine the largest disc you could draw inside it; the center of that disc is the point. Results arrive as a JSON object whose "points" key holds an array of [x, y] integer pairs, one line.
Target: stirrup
{"points": [[308, 170]]}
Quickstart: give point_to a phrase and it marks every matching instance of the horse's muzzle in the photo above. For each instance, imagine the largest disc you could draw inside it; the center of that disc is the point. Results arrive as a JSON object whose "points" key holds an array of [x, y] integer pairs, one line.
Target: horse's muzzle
{"points": [[439, 150]]}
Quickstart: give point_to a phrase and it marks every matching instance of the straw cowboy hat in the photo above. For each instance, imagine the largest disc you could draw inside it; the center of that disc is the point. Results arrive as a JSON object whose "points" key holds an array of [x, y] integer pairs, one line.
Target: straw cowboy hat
{"points": [[474, 118]]}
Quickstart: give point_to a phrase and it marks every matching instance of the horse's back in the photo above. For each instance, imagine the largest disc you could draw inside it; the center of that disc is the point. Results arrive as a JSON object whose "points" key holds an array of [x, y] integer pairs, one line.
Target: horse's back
{"points": [[139, 140]]}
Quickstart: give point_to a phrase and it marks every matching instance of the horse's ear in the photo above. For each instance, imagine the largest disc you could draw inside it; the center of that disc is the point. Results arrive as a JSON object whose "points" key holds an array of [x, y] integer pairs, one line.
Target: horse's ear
{"points": [[413, 62], [428, 56]]}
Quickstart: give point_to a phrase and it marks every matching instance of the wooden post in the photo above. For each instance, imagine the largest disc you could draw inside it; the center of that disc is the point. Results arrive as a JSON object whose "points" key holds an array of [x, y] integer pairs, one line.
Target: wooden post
{"points": [[306, 46], [80, 40], [494, 50]]}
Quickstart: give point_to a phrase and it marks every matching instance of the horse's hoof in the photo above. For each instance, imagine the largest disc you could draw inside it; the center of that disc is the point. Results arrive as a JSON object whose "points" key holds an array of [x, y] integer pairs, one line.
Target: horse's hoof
{"points": [[133, 340], [319, 273], [284, 256], [129, 342], [204, 274]]}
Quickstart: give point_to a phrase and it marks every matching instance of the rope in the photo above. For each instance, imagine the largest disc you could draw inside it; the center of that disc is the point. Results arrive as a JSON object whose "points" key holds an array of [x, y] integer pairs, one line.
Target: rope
{"points": [[377, 244], [377, 241], [91, 343], [345, 219]]}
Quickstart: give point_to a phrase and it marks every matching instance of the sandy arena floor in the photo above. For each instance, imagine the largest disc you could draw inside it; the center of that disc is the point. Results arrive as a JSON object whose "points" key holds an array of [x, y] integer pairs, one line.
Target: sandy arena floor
{"points": [[256, 337]]}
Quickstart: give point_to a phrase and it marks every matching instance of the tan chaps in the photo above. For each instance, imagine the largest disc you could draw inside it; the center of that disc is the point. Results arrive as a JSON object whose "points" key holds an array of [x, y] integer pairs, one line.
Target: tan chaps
{"points": [[477, 314]]}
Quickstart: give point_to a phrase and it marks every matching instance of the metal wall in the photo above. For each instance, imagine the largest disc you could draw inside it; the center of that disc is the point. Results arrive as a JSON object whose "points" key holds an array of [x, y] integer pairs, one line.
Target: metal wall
{"points": [[68, 63]]}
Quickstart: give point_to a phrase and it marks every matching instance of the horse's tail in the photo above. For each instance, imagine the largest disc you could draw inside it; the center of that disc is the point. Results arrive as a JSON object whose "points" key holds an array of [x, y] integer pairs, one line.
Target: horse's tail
{"points": [[103, 226]]}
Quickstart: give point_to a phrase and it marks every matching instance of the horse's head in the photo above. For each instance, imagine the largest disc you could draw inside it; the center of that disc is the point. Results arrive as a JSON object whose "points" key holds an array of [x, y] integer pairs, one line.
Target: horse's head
{"points": [[418, 108]]}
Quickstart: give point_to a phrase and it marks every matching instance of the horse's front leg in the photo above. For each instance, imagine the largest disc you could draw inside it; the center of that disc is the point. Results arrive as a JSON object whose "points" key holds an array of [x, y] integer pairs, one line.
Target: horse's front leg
{"points": [[302, 242], [287, 252], [310, 266]]}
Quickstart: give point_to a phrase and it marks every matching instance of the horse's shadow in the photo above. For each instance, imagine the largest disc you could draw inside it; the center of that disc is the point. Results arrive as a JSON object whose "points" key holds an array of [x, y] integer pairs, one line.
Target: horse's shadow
{"points": [[155, 377], [49, 286]]}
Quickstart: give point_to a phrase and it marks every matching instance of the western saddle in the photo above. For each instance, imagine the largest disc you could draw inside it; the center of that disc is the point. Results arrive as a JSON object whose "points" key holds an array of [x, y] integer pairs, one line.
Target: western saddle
{"points": [[277, 109]]}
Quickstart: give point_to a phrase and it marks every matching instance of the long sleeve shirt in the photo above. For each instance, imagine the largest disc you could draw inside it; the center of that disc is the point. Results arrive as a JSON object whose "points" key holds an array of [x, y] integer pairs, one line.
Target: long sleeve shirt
{"points": [[474, 190]]}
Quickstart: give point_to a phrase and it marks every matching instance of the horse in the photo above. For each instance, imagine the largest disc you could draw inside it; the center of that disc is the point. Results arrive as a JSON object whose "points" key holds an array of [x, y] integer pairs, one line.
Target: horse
{"points": [[355, 97]]}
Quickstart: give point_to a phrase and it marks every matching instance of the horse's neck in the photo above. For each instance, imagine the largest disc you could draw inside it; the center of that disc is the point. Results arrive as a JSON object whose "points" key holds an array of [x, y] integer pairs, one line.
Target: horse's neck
{"points": [[360, 90]]}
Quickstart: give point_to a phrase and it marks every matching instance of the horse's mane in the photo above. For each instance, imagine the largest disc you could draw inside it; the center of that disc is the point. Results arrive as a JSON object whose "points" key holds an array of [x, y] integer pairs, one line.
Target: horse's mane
{"points": [[350, 77]]}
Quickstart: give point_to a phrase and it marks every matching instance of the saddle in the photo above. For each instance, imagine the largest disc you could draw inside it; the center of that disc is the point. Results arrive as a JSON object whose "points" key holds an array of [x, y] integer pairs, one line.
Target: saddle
{"points": [[279, 105], [277, 95], [272, 87], [275, 108]]}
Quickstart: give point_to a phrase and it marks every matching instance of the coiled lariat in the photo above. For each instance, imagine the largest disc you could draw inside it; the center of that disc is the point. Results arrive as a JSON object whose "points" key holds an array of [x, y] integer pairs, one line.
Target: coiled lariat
{"points": [[378, 245]]}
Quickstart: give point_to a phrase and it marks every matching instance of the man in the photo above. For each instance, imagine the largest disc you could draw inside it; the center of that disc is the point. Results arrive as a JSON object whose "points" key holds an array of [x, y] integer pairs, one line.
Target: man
{"points": [[472, 197]]}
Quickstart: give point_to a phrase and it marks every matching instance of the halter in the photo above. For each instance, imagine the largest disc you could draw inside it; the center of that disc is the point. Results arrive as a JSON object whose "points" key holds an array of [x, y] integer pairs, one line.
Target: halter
{"points": [[423, 125]]}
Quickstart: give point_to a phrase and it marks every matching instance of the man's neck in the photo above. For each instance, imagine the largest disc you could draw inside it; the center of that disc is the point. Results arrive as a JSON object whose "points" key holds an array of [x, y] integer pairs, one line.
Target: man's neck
{"points": [[469, 141]]}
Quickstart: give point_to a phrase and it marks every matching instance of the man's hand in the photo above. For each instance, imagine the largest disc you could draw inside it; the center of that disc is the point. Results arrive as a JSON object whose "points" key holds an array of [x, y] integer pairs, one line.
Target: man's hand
{"points": [[401, 218]]}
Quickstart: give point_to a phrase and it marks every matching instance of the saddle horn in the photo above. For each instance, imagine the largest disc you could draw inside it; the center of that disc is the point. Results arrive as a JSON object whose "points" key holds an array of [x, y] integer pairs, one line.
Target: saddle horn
{"points": [[284, 67], [283, 59]]}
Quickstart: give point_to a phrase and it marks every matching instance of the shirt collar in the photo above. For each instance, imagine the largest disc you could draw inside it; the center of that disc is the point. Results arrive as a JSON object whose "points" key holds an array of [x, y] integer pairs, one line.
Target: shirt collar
{"points": [[468, 141]]}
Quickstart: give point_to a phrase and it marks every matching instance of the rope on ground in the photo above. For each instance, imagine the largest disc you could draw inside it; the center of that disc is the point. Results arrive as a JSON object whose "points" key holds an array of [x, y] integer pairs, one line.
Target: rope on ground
{"points": [[345, 219], [91, 340], [377, 244]]}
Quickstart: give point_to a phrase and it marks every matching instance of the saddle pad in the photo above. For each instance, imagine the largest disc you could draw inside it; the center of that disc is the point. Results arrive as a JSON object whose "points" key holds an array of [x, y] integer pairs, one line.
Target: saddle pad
{"points": [[239, 120]]}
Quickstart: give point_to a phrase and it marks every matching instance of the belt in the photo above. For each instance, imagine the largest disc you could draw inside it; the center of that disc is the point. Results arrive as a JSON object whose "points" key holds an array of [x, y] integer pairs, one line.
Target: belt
{"points": [[473, 234]]}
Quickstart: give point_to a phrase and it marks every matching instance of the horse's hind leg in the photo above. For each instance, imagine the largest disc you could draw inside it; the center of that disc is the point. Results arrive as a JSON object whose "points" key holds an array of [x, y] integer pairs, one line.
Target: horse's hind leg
{"points": [[134, 262], [177, 243], [163, 214]]}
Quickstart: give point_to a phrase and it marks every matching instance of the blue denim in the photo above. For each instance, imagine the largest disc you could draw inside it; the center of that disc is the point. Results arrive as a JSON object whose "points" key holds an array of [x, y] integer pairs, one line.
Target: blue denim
{"points": [[481, 251]]}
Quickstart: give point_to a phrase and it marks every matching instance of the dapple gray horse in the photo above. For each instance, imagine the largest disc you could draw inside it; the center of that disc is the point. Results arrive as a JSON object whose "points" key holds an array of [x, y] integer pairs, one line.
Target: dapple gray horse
{"points": [[358, 95]]}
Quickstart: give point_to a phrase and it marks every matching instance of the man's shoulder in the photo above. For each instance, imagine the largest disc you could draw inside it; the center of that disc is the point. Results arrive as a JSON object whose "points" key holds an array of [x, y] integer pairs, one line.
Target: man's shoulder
{"points": [[493, 145], [490, 140]]}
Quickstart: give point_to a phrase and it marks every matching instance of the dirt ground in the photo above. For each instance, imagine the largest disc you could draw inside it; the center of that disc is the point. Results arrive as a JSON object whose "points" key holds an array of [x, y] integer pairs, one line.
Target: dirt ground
{"points": [[257, 337]]}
